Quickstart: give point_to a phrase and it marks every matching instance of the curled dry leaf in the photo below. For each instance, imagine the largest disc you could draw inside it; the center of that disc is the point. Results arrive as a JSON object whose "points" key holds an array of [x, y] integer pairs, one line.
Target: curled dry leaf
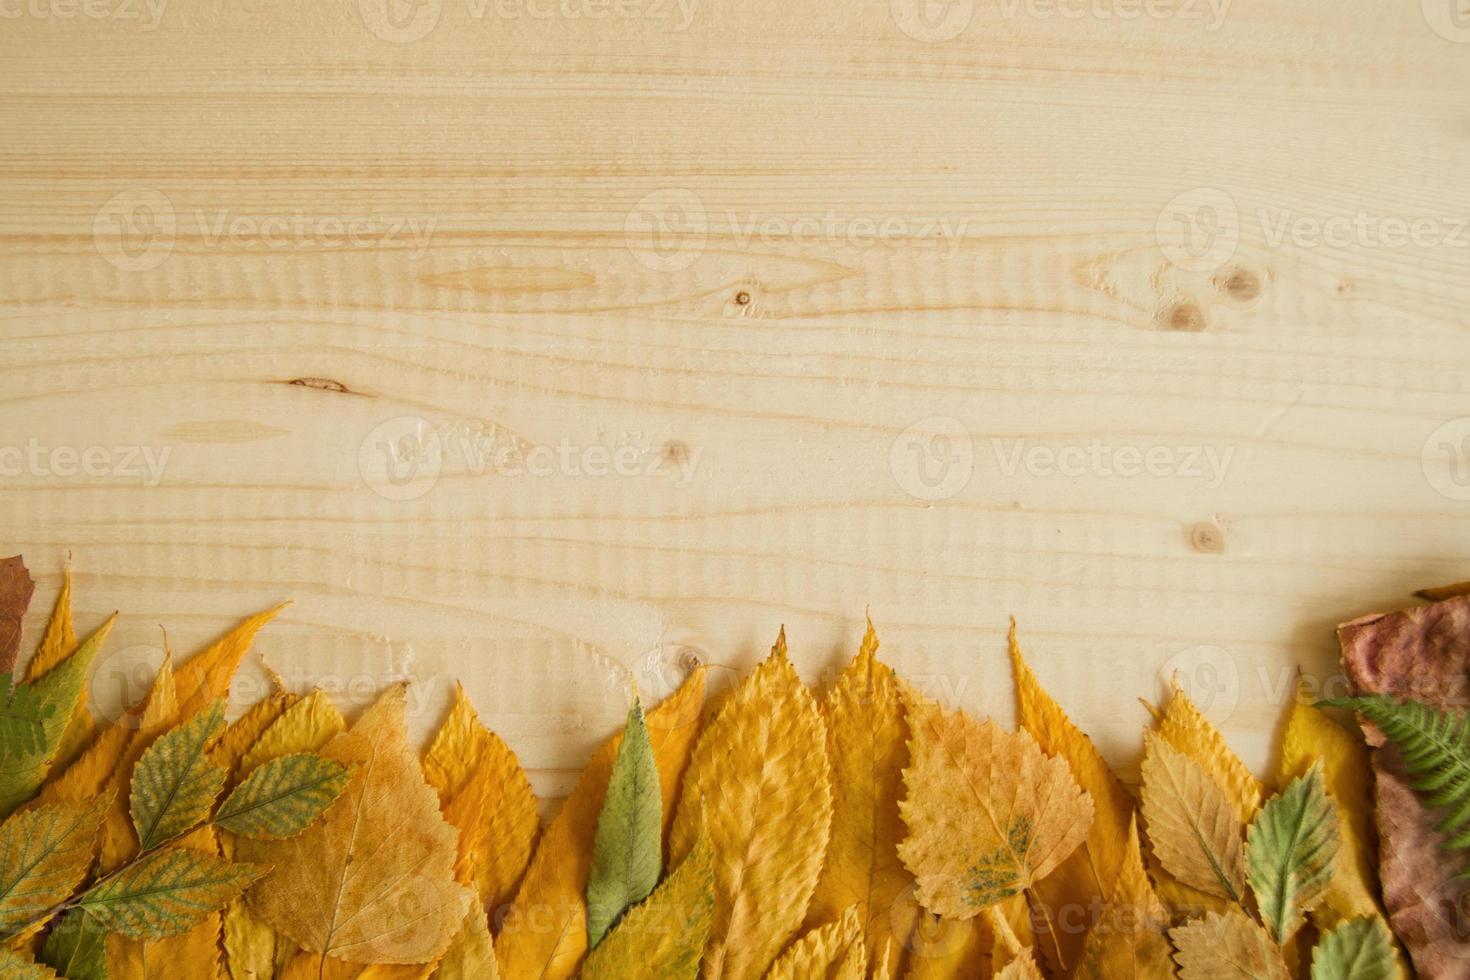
{"points": [[1227, 947], [1194, 829], [988, 812], [759, 784]]}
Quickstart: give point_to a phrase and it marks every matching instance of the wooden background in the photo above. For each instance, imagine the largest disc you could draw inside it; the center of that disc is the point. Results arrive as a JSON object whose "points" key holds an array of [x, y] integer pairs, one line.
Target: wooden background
{"points": [[822, 269]]}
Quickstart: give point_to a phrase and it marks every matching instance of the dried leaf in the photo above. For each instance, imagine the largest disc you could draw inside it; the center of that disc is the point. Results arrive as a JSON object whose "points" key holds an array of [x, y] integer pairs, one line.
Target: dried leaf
{"points": [[627, 853], [759, 784], [1023, 967], [1187, 730], [160, 713], [206, 676], [282, 797], [1129, 941], [544, 932], [664, 937], [45, 853], [16, 589], [1086, 879], [230, 748], [456, 749], [1358, 949], [820, 952], [1192, 826], [1290, 853], [13, 966], [383, 854], [868, 743], [1226, 947], [948, 949], [253, 950], [165, 893], [57, 643], [306, 726], [471, 956], [76, 947], [988, 812], [174, 783]]}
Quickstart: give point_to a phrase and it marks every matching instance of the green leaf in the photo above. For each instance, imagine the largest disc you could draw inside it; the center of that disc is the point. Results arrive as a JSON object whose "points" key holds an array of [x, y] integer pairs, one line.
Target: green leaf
{"points": [[56, 694], [166, 892], [283, 797], [13, 966], [1291, 850], [664, 937], [23, 716], [45, 853], [627, 853], [174, 783], [1359, 949], [76, 948]]}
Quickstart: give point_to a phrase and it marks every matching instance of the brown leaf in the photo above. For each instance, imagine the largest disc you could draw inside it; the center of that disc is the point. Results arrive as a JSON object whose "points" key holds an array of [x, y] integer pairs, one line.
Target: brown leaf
{"points": [[1227, 947], [16, 589]]}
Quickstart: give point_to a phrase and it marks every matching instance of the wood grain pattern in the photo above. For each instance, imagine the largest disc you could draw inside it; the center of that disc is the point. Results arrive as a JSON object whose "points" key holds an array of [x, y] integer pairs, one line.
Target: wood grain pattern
{"points": [[756, 245]]}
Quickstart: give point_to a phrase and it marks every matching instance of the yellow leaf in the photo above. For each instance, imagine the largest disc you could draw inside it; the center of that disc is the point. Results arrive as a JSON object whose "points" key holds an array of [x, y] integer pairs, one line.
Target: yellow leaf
{"points": [[194, 953], [382, 852], [988, 812], [868, 743], [472, 954], [854, 964], [544, 932], [759, 784], [305, 726], [310, 966], [1191, 824], [948, 949], [663, 937], [1189, 732], [160, 713], [1023, 967], [881, 961], [253, 950], [246, 730], [815, 955], [1226, 947], [1085, 880], [1129, 941], [206, 676], [493, 807], [57, 643]]}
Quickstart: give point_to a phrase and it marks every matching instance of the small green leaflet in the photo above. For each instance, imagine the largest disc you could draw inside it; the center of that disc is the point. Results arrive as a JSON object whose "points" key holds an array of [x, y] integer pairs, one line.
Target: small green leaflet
{"points": [[23, 717], [76, 948], [166, 892], [45, 853], [282, 797], [1359, 949], [627, 853], [664, 937], [174, 783], [1291, 850], [14, 967]]}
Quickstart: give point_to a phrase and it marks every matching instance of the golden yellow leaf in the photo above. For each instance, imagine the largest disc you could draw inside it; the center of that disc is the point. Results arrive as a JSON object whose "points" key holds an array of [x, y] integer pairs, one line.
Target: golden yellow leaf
{"points": [[1023, 967], [854, 963], [759, 784], [543, 932], [193, 953], [988, 812], [456, 748], [471, 955], [1129, 941], [253, 950], [1226, 947], [205, 677], [310, 966], [885, 956], [1084, 880], [817, 954], [160, 713], [868, 743], [1191, 824], [373, 880], [1189, 732], [948, 949], [246, 730], [305, 726]]}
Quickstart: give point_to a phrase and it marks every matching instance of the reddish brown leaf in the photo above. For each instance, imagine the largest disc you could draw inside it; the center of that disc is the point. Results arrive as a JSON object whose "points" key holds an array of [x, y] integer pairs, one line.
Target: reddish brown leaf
{"points": [[16, 589]]}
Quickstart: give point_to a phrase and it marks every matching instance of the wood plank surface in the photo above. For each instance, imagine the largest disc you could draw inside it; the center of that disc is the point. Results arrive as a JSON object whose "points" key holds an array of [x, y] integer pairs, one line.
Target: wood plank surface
{"points": [[549, 344]]}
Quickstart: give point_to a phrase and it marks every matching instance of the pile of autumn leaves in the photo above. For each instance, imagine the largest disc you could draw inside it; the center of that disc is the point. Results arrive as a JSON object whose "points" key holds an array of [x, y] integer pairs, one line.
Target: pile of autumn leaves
{"points": [[866, 833]]}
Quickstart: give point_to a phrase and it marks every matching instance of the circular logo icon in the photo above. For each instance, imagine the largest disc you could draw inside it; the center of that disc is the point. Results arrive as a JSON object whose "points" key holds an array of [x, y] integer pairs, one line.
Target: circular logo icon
{"points": [[1209, 677], [135, 229], [666, 231], [122, 679], [1199, 230], [1446, 459], [932, 21], [401, 459], [1450, 19], [401, 21], [933, 459]]}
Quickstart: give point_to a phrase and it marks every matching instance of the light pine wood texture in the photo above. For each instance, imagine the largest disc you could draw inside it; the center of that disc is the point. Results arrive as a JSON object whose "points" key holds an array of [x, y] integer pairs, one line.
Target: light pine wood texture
{"points": [[783, 361]]}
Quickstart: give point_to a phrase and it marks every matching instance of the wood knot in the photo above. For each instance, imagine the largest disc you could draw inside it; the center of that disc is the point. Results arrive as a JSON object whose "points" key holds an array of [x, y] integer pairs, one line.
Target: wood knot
{"points": [[1207, 538], [1184, 316], [322, 384], [742, 298], [1239, 283]]}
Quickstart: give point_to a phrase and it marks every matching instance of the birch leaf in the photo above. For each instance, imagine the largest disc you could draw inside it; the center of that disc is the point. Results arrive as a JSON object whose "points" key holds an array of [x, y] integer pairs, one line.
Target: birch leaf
{"points": [[817, 954], [1358, 949], [383, 852], [1087, 878], [471, 955], [868, 743], [1193, 827], [13, 966], [1290, 853], [16, 589], [1226, 947], [76, 947], [759, 783], [174, 783], [1189, 732], [165, 893], [988, 812], [627, 852], [282, 797], [664, 937], [45, 853], [544, 932], [1129, 941], [305, 726]]}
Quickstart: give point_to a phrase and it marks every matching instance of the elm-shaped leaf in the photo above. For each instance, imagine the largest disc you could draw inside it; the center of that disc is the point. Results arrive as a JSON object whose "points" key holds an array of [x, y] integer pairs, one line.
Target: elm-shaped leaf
{"points": [[283, 797], [174, 783], [166, 892]]}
